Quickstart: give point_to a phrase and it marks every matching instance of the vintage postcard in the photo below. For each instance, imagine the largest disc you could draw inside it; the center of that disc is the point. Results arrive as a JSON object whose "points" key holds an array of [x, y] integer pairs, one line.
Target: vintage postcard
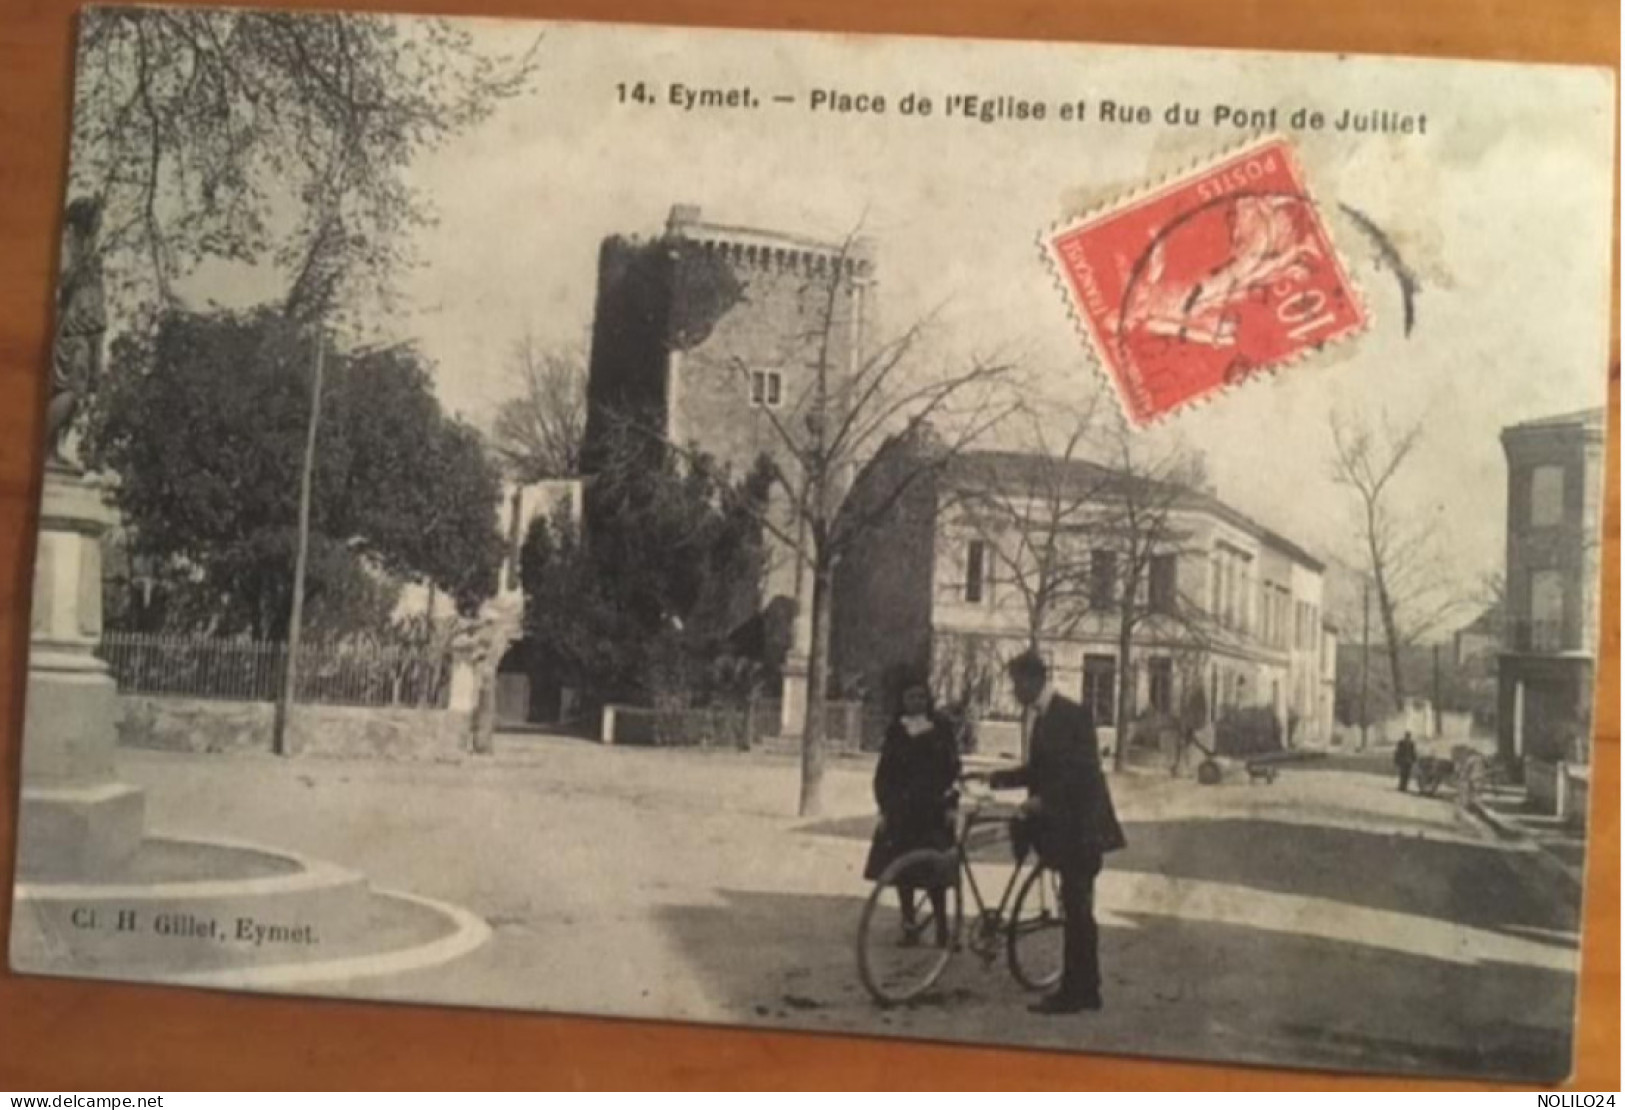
{"points": [[1092, 548]]}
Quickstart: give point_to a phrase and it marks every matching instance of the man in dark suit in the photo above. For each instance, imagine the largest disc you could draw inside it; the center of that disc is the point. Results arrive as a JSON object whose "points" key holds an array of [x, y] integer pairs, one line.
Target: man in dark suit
{"points": [[1405, 759], [1070, 817]]}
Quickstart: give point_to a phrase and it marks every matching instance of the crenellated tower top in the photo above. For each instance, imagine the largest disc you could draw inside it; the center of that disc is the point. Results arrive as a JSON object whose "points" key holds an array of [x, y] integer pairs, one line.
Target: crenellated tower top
{"points": [[754, 248]]}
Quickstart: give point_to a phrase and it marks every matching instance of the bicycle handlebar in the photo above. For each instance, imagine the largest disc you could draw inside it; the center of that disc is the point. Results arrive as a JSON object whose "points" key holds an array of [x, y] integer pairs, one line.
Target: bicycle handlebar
{"points": [[982, 777], [975, 799]]}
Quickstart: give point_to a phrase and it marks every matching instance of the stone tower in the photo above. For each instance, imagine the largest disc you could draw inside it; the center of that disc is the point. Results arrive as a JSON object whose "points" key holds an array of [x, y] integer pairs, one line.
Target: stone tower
{"points": [[726, 339]]}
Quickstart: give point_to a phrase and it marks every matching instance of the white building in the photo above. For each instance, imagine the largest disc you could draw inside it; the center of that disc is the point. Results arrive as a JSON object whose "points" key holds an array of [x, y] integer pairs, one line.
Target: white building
{"points": [[1223, 604], [522, 504]]}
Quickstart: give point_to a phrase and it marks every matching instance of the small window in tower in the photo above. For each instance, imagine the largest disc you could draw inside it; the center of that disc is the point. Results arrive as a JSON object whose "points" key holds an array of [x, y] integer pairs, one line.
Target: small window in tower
{"points": [[1546, 610], [766, 388], [1545, 496]]}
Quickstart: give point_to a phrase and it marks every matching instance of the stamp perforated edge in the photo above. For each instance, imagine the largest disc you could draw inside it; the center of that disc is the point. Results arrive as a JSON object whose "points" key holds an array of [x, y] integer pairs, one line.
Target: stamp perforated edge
{"points": [[1151, 189]]}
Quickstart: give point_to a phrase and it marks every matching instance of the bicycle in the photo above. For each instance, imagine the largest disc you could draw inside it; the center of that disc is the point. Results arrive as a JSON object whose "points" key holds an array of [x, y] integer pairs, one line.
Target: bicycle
{"points": [[900, 959]]}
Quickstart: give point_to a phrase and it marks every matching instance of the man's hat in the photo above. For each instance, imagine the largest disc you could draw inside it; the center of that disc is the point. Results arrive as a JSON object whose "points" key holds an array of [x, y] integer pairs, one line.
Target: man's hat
{"points": [[1028, 664]]}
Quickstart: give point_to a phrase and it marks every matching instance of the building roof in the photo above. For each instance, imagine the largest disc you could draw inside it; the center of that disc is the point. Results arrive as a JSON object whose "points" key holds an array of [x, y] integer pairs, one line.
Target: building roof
{"points": [[1025, 470], [1487, 623], [684, 222], [1586, 424], [1263, 532], [1022, 469], [1593, 417]]}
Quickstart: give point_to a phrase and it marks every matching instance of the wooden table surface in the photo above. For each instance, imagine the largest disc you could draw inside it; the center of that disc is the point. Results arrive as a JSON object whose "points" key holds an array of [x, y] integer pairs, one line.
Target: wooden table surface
{"points": [[66, 1036]]}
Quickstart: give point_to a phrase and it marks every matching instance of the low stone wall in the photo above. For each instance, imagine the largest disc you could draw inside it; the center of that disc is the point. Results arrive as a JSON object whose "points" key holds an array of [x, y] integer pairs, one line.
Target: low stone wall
{"points": [[1560, 789], [849, 727], [1544, 785], [342, 731], [1577, 793]]}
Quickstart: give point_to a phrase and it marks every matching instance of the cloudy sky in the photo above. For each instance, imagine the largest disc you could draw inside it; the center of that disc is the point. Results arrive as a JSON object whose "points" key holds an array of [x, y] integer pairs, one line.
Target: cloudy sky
{"points": [[1502, 208]]}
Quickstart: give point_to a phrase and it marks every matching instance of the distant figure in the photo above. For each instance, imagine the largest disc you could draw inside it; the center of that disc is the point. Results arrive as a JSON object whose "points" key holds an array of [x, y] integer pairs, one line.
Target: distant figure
{"points": [[1405, 759], [919, 764], [1070, 820]]}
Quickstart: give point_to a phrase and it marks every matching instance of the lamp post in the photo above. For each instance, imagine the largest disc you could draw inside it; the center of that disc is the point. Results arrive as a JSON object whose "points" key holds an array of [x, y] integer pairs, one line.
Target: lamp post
{"points": [[290, 673]]}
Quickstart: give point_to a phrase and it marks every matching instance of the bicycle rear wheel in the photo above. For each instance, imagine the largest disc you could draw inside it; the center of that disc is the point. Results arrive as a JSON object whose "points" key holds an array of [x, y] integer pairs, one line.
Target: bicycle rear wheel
{"points": [[901, 957], [1037, 932]]}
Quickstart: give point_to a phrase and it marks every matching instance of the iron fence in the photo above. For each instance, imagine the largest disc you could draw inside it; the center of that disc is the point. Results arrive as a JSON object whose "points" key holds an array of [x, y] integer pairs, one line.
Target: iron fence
{"points": [[247, 670]]}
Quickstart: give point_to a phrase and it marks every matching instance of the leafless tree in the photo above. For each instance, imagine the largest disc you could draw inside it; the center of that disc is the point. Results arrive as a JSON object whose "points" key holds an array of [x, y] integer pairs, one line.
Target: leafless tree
{"points": [[269, 137], [1030, 511], [1491, 598], [1407, 576], [537, 432], [963, 670], [1073, 524], [1140, 523], [872, 426]]}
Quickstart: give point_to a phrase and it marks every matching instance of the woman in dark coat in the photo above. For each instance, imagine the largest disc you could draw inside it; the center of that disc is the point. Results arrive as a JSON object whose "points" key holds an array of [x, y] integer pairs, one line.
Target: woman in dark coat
{"points": [[919, 765]]}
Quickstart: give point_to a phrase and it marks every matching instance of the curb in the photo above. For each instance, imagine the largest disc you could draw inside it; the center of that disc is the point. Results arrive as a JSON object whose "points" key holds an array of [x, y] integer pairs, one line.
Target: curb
{"points": [[1550, 865], [469, 932], [1500, 826]]}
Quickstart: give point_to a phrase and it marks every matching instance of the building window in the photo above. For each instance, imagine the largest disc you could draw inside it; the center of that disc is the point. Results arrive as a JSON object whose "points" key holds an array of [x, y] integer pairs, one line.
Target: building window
{"points": [[1164, 583], [766, 388], [1162, 684], [1545, 496], [1226, 610], [1100, 687], [975, 570], [1546, 610], [1102, 579]]}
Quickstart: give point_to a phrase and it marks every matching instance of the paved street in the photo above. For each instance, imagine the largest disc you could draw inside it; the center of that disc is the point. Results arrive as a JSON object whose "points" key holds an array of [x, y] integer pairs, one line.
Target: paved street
{"points": [[1324, 920]]}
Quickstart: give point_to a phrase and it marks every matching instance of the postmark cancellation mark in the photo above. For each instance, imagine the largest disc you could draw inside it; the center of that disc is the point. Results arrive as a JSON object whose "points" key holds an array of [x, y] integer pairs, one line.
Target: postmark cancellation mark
{"points": [[1221, 273]]}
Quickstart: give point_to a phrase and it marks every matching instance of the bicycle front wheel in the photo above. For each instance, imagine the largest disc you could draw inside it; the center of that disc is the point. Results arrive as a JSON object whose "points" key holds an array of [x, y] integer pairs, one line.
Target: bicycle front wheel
{"points": [[902, 950], [1037, 932]]}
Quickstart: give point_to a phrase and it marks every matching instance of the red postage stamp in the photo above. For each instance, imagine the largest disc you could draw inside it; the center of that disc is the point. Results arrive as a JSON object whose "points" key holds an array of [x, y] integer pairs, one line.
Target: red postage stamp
{"points": [[1224, 272]]}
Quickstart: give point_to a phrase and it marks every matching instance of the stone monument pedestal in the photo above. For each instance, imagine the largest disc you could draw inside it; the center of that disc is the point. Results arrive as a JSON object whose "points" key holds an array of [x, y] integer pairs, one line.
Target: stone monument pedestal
{"points": [[76, 819], [93, 893]]}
